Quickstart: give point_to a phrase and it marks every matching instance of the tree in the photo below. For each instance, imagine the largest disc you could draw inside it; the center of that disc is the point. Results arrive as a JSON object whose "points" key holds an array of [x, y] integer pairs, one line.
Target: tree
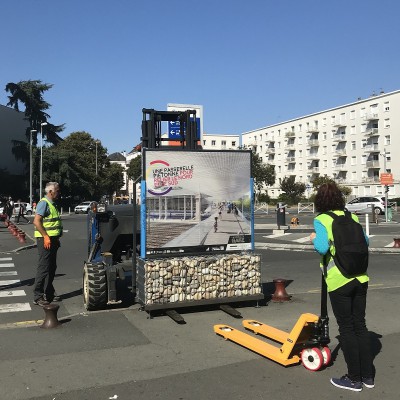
{"points": [[293, 191], [30, 94], [320, 180], [135, 168], [263, 174], [113, 179]]}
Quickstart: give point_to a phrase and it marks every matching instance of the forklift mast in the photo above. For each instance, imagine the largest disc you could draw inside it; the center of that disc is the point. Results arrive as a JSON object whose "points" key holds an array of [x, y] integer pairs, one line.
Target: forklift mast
{"points": [[152, 129]]}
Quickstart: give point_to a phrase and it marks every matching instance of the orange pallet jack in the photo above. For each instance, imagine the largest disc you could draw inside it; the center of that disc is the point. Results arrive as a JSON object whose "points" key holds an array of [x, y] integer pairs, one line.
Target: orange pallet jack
{"points": [[305, 343]]}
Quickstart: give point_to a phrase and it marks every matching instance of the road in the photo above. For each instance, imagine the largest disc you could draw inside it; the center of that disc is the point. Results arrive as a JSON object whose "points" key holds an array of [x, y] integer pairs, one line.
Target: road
{"points": [[122, 353]]}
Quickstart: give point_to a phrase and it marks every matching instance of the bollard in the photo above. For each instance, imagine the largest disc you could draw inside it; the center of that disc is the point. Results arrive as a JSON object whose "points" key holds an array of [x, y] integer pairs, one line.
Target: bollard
{"points": [[21, 237], [14, 230], [396, 243], [50, 319], [280, 291]]}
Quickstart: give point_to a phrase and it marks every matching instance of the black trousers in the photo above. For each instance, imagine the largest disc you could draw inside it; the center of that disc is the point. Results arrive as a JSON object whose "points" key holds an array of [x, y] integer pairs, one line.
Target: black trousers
{"points": [[46, 269], [22, 216], [348, 305]]}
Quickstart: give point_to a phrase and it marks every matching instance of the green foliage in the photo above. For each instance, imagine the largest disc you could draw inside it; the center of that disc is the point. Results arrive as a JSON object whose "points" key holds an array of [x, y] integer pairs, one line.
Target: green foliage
{"points": [[134, 170], [30, 94], [72, 163], [263, 174], [293, 191], [320, 180], [263, 198]]}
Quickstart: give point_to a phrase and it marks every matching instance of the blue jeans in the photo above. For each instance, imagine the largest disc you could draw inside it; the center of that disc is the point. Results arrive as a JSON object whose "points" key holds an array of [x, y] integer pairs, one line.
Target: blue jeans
{"points": [[348, 305]]}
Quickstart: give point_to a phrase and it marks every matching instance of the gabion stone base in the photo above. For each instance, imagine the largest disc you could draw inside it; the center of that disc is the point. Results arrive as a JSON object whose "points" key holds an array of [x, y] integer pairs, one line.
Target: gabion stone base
{"points": [[184, 279]]}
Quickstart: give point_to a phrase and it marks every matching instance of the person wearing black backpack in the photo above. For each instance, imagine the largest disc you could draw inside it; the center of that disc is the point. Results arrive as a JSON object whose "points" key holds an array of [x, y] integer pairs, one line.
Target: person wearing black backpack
{"points": [[344, 260]]}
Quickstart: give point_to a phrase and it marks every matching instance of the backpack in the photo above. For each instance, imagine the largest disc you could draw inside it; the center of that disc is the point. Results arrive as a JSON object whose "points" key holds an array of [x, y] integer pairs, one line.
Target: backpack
{"points": [[351, 248]]}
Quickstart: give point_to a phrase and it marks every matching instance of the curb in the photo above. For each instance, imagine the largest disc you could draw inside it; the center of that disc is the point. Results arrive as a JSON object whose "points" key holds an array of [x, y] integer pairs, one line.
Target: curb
{"points": [[310, 247]]}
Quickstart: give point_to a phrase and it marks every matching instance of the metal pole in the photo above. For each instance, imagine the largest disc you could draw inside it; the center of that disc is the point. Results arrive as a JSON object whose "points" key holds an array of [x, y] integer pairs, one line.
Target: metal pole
{"points": [[386, 187], [41, 159], [30, 169]]}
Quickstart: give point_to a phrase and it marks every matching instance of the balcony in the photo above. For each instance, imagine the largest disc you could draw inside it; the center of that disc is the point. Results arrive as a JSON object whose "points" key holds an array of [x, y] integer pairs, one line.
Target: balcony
{"points": [[291, 159], [290, 134], [270, 150], [373, 164], [371, 148], [339, 124], [313, 156], [370, 117], [313, 142], [313, 129], [339, 137], [371, 132], [371, 179], [270, 139], [313, 169], [290, 146], [340, 152], [340, 167]]}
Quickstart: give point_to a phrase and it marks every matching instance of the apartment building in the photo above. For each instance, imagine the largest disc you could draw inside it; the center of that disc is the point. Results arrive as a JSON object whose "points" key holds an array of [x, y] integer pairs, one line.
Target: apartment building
{"points": [[353, 144], [220, 142]]}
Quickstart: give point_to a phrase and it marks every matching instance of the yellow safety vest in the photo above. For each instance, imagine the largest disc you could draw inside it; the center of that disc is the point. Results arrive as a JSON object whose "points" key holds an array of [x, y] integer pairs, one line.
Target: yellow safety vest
{"points": [[334, 278], [52, 223]]}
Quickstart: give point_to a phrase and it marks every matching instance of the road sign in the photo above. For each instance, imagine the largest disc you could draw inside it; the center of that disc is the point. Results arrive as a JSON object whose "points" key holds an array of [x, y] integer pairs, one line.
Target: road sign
{"points": [[386, 179], [174, 129]]}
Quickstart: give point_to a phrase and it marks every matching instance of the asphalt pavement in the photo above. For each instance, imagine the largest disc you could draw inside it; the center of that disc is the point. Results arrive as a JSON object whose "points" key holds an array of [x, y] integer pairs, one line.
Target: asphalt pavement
{"points": [[122, 354]]}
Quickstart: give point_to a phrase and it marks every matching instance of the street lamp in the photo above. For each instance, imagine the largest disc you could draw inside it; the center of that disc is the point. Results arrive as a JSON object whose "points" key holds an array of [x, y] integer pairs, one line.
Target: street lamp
{"points": [[30, 167], [41, 157]]}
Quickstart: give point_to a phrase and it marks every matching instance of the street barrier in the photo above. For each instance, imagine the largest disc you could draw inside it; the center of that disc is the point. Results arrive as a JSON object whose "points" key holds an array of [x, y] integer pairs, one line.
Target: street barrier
{"points": [[305, 207]]}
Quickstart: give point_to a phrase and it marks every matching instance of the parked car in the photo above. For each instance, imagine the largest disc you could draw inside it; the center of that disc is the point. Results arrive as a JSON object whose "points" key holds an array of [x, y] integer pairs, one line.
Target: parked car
{"points": [[28, 208], [363, 205], [83, 208]]}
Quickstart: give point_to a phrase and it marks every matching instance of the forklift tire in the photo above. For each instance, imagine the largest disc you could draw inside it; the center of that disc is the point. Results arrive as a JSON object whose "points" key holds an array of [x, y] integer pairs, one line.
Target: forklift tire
{"points": [[94, 286], [326, 353], [312, 359]]}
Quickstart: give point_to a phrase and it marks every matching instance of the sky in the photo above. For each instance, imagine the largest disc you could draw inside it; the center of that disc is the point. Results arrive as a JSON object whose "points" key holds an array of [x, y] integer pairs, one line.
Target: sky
{"points": [[249, 63]]}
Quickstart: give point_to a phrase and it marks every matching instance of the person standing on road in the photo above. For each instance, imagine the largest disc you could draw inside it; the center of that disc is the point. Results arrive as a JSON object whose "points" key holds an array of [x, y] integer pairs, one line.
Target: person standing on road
{"points": [[48, 230], [21, 212], [348, 295], [9, 208]]}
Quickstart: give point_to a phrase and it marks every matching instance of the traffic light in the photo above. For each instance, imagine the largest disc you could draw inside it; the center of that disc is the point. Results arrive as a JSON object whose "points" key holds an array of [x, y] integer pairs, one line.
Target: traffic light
{"points": [[386, 189]]}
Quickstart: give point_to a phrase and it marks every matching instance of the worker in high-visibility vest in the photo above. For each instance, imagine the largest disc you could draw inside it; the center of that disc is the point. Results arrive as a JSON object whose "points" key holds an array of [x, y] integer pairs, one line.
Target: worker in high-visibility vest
{"points": [[48, 230]]}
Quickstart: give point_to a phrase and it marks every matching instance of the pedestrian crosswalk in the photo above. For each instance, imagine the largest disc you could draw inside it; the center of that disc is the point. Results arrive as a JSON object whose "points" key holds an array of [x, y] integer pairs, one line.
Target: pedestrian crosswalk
{"points": [[11, 299]]}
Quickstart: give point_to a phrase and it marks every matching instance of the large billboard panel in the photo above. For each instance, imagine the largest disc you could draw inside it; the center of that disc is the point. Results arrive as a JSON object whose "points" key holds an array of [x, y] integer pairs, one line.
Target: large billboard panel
{"points": [[196, 202]]}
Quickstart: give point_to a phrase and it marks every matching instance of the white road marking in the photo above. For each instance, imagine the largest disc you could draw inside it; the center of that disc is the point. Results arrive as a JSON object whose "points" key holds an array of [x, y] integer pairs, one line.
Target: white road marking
{"points": [[7, 265], [390, 245], [15, 307], [8, 273], [303, 240], [12, 293], [5, 258], [9, 282], [277, 235]]}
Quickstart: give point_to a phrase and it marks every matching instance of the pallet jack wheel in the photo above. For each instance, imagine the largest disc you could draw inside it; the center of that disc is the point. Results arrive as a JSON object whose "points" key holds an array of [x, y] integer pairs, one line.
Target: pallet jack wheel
{"points": [[312, 359], [326, 353]]}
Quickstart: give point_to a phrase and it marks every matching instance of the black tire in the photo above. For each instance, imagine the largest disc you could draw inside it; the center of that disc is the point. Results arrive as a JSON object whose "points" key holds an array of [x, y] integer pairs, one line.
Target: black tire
{"points": [[94, 286]]}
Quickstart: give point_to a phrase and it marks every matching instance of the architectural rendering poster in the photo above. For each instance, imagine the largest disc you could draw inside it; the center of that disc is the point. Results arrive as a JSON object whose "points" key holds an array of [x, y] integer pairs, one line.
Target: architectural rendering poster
{"points": [[197, 202]]}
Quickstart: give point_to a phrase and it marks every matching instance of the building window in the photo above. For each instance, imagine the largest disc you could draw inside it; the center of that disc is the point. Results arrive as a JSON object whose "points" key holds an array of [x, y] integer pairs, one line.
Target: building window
{"points": [[386, 106], [354, 176], [352, 114], [388, 157], [353, 145], [324, 136], [224, 143], [387, 140], [300, 153], [362, 112], [363, 159], [353, 160], [204, 142], [325, 163], [233, 144], [212, 142], [324, 150], [387, 123], [352, 130], [300, 127]]}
